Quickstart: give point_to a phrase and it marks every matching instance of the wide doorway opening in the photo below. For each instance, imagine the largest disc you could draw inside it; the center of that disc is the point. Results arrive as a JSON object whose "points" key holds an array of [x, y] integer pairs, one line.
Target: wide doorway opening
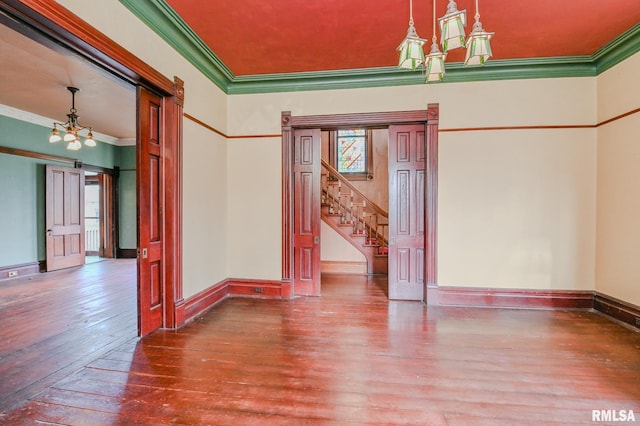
{"points": [[104, 69], [354, 191], [412, 168]]}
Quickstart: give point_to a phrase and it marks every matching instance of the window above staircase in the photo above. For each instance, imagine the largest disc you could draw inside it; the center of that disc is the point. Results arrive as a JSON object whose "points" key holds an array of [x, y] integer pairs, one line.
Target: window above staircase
{"points": [[351, 153]]}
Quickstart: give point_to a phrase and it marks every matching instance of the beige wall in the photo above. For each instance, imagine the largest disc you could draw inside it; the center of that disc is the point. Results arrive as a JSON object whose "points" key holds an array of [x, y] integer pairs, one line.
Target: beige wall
{"points": [[541, 181], [517, 209], [618, 226], [254, 208], [335, 248], [618, 89], [558, 101], [205, 209]]}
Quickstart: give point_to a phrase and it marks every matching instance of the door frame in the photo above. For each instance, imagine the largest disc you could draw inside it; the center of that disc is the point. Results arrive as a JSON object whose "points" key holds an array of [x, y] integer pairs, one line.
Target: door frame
{"points": [[94, 181], [108, 207], [428, 117], [51, 24]]}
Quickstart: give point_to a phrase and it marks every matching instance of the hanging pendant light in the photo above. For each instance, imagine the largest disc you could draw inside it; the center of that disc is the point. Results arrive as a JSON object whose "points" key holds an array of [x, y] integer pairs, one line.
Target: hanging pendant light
{"points": [[434, 61], [478, 43], [452, 27], [89, 141], [411, 53], [72, 127]]}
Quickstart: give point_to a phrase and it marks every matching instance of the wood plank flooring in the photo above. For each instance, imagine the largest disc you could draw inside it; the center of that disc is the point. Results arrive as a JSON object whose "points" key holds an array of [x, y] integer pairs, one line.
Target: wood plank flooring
{"points": [[54, 323], [353, 357]]}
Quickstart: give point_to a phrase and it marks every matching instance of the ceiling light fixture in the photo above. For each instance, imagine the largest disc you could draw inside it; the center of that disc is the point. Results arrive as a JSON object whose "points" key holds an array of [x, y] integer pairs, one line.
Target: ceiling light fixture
{"points": [[452, 27], [478, 43], [72, 127], [434, 61], [452, 36], [411, 53]]}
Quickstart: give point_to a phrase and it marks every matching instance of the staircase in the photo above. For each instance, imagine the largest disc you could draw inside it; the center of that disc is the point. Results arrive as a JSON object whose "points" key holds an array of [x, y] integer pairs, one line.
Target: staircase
{"points": [[357, 219]]}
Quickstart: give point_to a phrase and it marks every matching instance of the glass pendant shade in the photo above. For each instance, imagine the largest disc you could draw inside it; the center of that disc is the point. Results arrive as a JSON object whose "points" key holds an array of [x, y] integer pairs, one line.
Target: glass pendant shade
{"points": [[90, 141], [478, 45], [452, 27], [69, 137], [411, 53], [55, 135], [434, 63], [74, 145]]}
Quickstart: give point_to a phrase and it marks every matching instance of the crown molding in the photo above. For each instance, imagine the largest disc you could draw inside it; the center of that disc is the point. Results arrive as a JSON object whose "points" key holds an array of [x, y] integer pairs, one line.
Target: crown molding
{"points": [[127, 142], [621, 48], [165, 22], [392, 76]]}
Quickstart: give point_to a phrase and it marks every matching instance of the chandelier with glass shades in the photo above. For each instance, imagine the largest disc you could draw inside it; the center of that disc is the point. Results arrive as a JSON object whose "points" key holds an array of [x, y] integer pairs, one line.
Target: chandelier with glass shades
{"points": [[452, 36], [72, 127]]}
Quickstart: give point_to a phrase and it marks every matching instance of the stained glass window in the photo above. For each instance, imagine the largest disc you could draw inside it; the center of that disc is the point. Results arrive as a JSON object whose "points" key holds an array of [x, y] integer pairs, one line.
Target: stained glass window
{"points": [[352, 151]]}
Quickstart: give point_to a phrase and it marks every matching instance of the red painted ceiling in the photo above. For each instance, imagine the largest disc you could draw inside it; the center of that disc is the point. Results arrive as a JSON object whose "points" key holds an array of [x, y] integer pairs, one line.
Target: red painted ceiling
{"points": [[275, 36]]}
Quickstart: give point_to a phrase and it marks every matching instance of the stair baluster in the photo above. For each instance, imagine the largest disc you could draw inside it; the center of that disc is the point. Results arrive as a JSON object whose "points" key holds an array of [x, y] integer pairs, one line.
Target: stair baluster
{"points": [[345, 207]]}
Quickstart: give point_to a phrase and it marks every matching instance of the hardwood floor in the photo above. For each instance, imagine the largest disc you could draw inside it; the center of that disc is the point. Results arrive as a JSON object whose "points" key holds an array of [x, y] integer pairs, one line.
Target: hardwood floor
{"points": [[54, 323], [353, 357]]}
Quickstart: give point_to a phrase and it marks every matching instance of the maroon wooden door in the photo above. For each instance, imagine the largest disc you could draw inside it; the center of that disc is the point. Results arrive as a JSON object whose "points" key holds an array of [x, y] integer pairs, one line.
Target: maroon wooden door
{"points": [[306, 214], [406, 212], [149, 173], [64, 217]]}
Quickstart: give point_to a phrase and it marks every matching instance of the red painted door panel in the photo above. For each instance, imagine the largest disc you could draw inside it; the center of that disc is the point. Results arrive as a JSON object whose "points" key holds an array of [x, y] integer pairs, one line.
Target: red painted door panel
{"points": [[151, 273], [306, 216], [406, 212]]}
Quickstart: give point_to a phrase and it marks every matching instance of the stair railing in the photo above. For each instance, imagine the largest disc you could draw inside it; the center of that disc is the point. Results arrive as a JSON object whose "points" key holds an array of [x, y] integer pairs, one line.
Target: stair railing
{"points": [[354, 208]]}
